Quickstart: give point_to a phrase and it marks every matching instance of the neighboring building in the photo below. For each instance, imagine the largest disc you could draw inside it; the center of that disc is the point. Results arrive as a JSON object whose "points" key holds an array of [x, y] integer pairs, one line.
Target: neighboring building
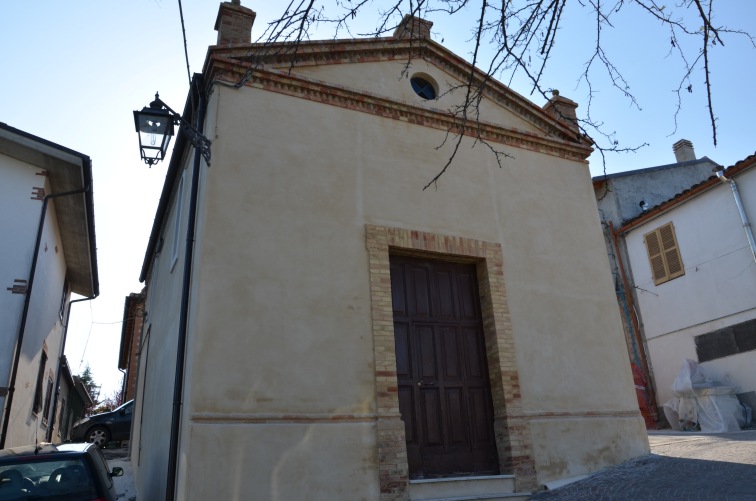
{"points": [[73, 401], [626, 195], [694, 274], [48, 253], [348, 335], [133, 313]]}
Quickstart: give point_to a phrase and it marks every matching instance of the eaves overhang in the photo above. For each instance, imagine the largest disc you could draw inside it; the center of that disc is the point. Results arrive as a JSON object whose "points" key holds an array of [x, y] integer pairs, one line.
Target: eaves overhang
{"points": [[67, 170], [686, 195]]}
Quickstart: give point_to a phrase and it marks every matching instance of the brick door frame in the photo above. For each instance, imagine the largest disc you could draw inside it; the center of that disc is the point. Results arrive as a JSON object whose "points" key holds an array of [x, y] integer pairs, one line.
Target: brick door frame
{"points": [[511, 427]]}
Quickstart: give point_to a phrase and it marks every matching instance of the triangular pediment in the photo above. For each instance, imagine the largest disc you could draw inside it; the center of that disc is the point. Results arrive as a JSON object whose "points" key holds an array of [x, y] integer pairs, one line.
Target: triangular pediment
{"points": [[383, 68]]}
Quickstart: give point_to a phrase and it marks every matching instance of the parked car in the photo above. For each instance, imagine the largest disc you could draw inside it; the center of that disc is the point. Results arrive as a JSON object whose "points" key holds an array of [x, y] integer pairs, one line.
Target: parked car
{"points": [[69, 472], [105, 427]]}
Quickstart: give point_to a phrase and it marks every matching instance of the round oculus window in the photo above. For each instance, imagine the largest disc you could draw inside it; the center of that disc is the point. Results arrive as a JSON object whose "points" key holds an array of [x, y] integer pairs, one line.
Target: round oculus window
{"points": [[423, 88]]}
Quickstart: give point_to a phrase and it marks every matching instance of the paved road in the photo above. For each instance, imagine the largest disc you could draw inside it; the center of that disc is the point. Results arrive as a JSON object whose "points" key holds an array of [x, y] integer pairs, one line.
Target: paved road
{"points": [[682, 466]]}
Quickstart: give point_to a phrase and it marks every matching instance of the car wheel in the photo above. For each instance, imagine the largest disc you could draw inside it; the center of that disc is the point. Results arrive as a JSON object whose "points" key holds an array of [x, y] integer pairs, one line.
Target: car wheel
{"points": [[98, 436]]}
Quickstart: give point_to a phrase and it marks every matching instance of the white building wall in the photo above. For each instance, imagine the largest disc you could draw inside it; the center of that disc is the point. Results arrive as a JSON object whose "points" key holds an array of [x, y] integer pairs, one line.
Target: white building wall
{"points": [[717, 290], [43, 328], [19, 217]]}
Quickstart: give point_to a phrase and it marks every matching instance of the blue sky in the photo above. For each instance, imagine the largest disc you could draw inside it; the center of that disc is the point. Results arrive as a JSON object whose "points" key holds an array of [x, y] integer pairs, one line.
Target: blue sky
{"points": [[74, 71]]}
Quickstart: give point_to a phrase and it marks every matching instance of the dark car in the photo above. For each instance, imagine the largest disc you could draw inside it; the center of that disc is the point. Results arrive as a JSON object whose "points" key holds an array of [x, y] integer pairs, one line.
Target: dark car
{"points": [[103, 428], [69, 472]]}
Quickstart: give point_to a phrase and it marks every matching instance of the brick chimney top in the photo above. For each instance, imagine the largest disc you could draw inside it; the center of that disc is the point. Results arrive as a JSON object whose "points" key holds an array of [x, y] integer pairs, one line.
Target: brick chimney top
{"points": [[234, 23], [684, 151], [413, 27], [563, 110]]}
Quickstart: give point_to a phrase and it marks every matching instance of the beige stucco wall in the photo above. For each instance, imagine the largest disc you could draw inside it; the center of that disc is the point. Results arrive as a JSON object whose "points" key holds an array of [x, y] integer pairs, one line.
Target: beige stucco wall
{"points": [[281, 358]]}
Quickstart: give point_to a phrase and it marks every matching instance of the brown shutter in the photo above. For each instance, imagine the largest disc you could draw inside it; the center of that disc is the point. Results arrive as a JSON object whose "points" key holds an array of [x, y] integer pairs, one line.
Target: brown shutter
{"points": [[664, 254]]}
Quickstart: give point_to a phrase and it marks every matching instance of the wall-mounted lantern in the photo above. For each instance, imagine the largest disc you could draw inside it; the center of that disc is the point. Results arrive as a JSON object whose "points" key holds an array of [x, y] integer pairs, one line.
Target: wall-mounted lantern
{"points": [[155, 125]]}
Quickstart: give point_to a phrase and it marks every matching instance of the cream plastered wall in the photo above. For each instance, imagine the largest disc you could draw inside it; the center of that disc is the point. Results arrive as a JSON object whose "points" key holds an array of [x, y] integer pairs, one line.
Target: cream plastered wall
{"points": [[715, 292], [282, 358], [385, 79]]}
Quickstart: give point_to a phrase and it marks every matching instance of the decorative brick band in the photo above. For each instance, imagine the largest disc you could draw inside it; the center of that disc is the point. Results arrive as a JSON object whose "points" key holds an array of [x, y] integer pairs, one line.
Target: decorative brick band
{"points": [[511, 428], [208, 418]]}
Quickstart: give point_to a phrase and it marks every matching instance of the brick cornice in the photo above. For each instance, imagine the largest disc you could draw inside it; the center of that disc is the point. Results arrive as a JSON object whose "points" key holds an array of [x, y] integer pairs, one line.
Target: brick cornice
{"points": [[221, 69]]}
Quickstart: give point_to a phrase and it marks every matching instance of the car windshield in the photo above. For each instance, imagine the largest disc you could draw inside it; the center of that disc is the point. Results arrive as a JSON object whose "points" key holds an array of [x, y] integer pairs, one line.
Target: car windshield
{"points": [[40, 478]]}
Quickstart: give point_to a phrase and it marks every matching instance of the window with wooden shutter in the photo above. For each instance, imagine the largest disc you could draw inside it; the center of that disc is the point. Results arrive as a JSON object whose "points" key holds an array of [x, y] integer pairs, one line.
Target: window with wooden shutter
{"points": [[664, 254]]}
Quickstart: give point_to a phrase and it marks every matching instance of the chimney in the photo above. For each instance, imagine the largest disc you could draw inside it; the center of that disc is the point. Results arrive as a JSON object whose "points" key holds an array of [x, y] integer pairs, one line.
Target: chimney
{"points": [[684, 151], [234, 23], [413, 27], [563, 110]]}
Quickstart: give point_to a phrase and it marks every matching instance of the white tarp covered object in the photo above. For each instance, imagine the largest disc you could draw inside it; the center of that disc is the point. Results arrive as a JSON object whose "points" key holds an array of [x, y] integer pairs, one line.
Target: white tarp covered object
{"points": [[710, 404]]}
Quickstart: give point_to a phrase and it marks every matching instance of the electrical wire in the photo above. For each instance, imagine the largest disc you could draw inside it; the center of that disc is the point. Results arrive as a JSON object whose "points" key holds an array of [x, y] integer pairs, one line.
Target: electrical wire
{"points": [[186, 49]]}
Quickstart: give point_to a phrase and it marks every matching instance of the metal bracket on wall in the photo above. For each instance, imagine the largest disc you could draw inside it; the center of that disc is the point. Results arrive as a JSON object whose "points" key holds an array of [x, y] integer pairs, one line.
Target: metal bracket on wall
{"points": [[19, 286]]}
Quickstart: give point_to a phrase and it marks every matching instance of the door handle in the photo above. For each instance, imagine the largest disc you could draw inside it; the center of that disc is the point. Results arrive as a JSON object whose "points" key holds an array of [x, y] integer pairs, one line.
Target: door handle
{"points": [[423, 383]]}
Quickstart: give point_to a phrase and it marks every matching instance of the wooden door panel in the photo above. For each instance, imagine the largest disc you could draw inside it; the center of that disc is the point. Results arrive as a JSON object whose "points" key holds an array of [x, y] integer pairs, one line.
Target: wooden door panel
{"points": [[426, 344], [455, 413], [444, 394], [478, 413], [420, 293], [449, 340], [403, 350], [468, 306], [431, 410], [474, 353], [446, 294]]}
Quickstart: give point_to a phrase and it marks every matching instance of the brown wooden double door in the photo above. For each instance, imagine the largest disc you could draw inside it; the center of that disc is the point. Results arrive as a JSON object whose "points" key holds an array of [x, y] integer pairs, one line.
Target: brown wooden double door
{"points": [[444, 392]]}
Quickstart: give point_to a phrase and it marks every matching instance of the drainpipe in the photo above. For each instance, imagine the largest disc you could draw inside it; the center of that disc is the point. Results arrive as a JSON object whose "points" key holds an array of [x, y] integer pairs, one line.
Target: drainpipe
{"points": [[741, 210], [25, 312], [178, 384], [48, 436], [635, 327]]}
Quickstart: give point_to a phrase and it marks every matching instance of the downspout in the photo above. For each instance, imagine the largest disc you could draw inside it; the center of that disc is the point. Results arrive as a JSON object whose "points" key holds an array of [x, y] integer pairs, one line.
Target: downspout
{"points": [[25, 312], [635, 327], [48, 435], [170, 491], [741, 210]]}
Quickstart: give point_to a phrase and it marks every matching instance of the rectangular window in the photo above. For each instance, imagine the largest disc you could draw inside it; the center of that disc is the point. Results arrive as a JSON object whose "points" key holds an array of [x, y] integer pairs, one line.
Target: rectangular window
{"points": [[664, 254], [177, 223], [48, 398], [63, 300], [40, 383]]}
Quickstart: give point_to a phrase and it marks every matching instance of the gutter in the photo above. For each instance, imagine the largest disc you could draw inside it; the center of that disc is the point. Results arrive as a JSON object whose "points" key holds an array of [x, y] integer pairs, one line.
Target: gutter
{"points": [[27, 301], [741, 210]]}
